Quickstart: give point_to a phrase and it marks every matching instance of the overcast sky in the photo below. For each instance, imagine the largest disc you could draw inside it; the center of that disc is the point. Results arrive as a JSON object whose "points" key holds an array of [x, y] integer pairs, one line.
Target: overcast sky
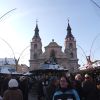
{"points": [[17, 27]]}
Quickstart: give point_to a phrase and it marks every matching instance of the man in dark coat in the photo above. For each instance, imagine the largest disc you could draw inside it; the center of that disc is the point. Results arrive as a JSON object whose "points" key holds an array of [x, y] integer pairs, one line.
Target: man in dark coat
{"points": [[89, 88]]}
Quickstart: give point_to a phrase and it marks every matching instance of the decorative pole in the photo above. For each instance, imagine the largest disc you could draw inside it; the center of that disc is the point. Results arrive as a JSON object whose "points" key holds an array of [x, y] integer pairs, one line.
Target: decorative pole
{"points": [[2, 38]]}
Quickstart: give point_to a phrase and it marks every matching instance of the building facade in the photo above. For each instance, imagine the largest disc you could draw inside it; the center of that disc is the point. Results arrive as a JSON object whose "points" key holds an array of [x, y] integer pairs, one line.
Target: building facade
{"points": [[53, 52]]}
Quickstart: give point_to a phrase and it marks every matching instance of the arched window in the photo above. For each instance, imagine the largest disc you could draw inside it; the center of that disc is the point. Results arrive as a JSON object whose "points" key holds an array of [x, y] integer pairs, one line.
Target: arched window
{"points": [[71, 55], [70, 45], [53, 56], [52, 53], [35, 56], [35, 46]]}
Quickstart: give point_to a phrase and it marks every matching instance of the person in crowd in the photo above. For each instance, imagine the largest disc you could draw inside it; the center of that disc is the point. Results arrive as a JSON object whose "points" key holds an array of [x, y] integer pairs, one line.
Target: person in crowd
{"points": [[1, 85], [98, 87], [1, 98], [51, 88], [40, 90], [89, 88], [23, 85], [65, 90], [77, 85], [5, 83], [13, 93]]}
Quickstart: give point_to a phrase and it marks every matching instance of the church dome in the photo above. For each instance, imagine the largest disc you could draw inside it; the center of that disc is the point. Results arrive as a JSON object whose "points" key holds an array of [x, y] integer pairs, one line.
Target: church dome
{"points": [[53, 44]]}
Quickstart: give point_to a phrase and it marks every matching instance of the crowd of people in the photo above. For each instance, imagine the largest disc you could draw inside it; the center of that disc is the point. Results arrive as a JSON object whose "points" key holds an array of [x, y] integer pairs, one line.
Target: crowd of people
{"points": [[58, 88], [13, 87], [79, 88]]}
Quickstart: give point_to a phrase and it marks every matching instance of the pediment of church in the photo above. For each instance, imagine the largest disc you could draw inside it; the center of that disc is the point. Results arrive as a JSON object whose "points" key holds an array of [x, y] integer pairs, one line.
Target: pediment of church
{"points": [[53, 49], [53, 45]]}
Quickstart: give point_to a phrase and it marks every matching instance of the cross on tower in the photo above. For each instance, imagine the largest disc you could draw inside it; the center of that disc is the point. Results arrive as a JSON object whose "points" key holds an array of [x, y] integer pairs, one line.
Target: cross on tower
{"points": [[68, 19], [36, 21]]}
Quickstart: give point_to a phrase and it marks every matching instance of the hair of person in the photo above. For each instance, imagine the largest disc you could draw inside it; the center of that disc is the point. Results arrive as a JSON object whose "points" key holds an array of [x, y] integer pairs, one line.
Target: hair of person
{"points": [[68, 81]]}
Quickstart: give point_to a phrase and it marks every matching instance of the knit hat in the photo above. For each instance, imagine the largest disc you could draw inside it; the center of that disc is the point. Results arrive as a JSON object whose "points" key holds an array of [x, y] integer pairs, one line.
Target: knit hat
{"points": [[86, 75], [13, 83], [78, 77]]}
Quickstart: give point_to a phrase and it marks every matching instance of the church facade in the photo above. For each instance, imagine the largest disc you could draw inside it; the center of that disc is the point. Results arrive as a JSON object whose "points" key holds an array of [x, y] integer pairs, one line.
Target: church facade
{"points": [[53, 52]]}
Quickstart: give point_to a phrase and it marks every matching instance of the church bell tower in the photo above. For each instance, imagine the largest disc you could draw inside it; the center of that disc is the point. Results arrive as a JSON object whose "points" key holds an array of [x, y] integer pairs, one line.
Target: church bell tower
{"points": [[70, 49], [36, 49]]}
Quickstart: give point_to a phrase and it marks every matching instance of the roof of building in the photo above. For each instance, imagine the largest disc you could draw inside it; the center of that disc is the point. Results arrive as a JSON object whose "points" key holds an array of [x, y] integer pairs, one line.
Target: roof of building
{"points": [[53, 44], [52, 66]]}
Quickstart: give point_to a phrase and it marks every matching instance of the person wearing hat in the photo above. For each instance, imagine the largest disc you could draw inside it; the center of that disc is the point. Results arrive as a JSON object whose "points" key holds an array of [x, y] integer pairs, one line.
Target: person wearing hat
{"points": [[77, 85], [89, 88], [23, 86], [13, 93]]}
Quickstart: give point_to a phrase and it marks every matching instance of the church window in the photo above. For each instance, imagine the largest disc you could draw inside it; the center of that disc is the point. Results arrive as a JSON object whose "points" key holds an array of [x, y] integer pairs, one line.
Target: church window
{"points": [[35, 56], [52, 54], [53, 57], [70, 45], [71, 55], [35, 46]]}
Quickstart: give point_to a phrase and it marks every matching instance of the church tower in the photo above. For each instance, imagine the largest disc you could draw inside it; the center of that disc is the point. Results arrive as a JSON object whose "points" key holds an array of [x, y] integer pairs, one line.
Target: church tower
{"points": [[36, 49], [70, 49], [53, 52]]}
